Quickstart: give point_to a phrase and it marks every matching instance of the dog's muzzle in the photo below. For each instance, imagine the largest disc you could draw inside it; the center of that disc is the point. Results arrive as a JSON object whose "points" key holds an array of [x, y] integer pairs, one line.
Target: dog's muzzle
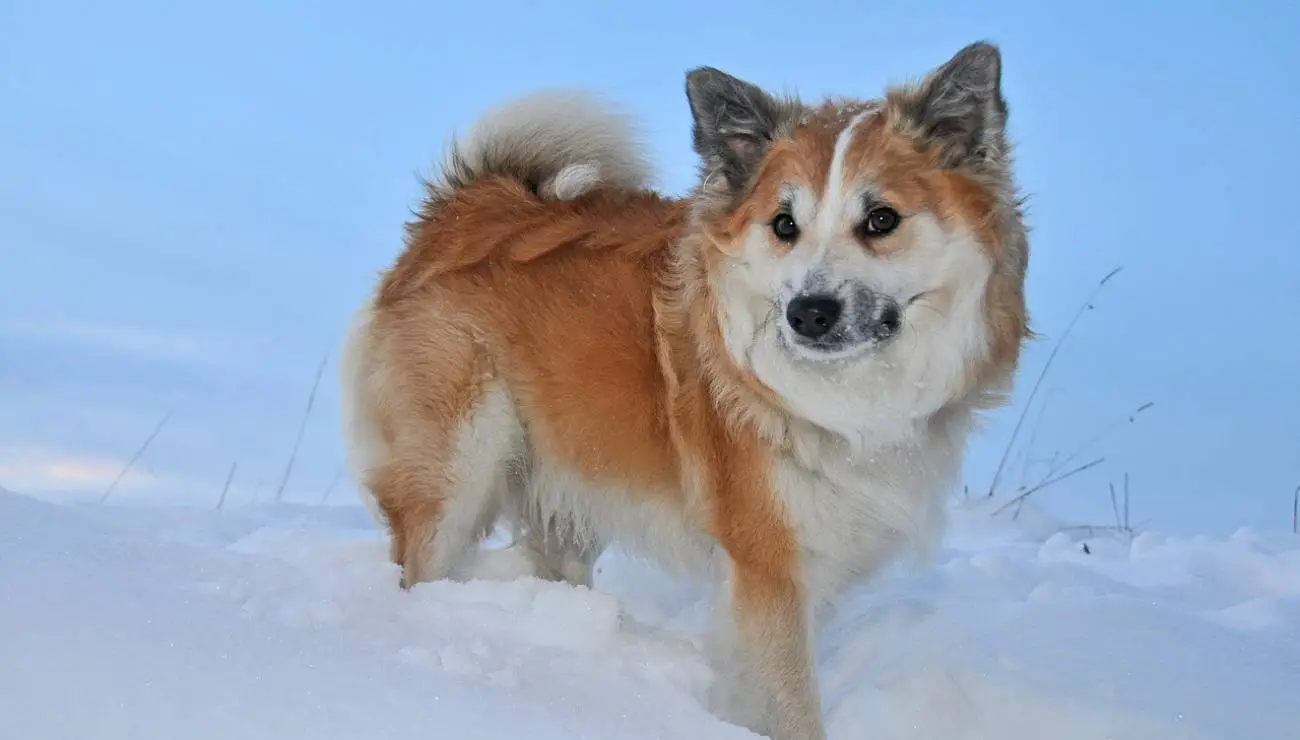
{"points": [[832, 323]]}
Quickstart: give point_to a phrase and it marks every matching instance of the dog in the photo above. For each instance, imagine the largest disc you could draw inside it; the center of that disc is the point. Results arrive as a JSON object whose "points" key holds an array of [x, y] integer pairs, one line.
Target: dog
{"points": [[767, 382]]}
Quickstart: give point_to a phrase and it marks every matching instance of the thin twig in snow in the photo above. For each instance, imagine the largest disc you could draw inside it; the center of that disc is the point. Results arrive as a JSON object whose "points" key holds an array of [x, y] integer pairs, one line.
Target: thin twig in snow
{"points": [[1114, 505], [138, 453], [1087, 304], [1092, 529], [1295, 512], [226, 488], [302, 427], [1045, 484], [1028, 457], [1130, 418], [1126, 519], [338, 476]]}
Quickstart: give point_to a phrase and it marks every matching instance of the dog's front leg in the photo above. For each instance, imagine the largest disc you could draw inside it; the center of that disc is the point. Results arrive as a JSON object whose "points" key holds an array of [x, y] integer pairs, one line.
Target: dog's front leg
{"points": [[762, 655]]}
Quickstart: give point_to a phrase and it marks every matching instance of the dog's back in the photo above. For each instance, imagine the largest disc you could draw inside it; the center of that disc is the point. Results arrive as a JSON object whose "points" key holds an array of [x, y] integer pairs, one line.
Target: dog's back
{"points": [[507, 363]]}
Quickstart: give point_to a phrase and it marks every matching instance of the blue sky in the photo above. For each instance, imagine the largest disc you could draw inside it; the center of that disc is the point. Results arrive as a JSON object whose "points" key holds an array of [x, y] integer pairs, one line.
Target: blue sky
{"points": [[194, 197]]}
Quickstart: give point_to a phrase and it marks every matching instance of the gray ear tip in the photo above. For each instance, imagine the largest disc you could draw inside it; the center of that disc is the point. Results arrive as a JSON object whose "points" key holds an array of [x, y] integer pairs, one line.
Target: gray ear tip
{"points": [[697, 76], [978, 66], [984, 46], [982, 53]]}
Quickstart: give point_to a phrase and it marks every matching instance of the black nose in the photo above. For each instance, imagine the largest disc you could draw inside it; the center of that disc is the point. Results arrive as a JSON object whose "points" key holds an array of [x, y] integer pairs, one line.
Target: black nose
{"points": [[891, 320], [813, 316]]}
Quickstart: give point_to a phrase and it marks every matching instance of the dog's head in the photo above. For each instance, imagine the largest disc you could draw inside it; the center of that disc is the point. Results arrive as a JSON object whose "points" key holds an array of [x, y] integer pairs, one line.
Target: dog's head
{"points": [[866, 258]]}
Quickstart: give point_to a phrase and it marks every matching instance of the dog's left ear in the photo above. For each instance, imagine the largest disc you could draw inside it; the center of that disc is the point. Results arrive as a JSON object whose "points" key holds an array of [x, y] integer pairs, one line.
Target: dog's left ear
{"points": [[959, 109]]}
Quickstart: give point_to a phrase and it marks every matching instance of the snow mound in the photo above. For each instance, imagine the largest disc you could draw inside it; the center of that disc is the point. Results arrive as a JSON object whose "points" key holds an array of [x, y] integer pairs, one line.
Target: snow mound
{"points": [[287, 623]]}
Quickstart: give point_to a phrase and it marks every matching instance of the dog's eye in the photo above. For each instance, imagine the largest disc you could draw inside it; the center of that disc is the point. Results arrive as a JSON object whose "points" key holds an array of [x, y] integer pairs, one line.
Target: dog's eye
{"points": [[785, 228], [881, 221]]}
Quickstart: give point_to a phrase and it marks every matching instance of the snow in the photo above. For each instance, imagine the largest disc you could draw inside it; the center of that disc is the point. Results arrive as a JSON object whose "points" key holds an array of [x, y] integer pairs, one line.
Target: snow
{"points": [[286, 622]]}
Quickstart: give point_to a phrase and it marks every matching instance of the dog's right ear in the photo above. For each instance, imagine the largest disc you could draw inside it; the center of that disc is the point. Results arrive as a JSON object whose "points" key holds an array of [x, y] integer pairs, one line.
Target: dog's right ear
{"points": [[735, 123]]}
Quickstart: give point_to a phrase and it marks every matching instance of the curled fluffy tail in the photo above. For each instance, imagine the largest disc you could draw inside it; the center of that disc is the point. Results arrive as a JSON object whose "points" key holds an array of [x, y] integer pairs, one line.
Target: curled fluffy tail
{"points": [[561, 144]]}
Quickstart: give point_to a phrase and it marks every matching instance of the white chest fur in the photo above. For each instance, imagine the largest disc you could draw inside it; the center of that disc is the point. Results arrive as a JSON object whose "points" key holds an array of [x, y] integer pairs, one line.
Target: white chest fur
{"points": [[854, 510]]}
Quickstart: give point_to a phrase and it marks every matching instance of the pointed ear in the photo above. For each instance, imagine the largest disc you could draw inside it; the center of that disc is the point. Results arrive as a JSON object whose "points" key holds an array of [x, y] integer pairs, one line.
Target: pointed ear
{"points": [[735, 123], [959, 109]]}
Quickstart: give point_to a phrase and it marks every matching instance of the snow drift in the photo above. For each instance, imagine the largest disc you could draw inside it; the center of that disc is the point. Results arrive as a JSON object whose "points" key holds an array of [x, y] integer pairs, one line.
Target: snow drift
{"points": [[287, 623]]}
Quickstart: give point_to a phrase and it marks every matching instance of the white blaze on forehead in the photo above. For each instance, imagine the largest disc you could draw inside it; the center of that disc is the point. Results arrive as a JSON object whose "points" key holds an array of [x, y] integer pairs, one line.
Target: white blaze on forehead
{"points": [[821, 219], [835, 178], [837, 193]]}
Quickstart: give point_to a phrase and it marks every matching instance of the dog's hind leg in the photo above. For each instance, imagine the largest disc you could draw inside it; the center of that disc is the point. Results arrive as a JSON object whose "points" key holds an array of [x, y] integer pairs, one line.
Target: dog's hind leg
{"points": [[442, 488]]}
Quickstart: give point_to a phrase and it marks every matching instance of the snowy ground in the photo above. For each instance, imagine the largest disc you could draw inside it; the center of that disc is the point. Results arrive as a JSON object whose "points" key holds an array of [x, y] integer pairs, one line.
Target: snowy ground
{"points": [[286, 623]]}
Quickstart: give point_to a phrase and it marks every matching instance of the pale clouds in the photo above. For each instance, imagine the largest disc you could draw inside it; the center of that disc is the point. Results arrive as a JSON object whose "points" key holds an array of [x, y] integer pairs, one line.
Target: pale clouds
{"points": [[54, 471]]}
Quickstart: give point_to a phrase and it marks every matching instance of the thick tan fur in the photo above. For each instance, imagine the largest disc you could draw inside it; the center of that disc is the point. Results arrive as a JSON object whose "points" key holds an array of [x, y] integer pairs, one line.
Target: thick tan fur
{"points": [[561, 363]]}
